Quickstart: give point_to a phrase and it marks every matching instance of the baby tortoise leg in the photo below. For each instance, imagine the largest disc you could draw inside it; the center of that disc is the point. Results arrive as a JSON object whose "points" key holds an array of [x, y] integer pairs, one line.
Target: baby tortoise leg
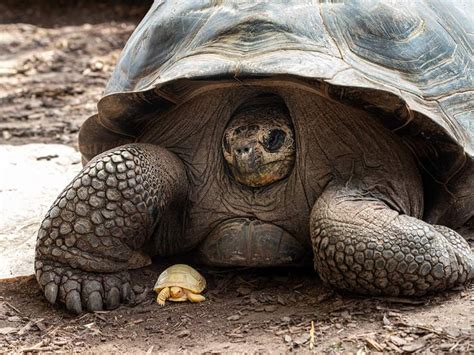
{"points": [[363, 246], [194, 297], [163, 296], [95, 229]]}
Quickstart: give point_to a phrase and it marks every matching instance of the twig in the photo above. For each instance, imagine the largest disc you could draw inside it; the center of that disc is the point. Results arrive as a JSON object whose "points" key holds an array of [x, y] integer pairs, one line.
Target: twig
{"points": [[358, 336], [374, 344], [49, 348], [401, 300], [311, 336], [100, 317], [52, 331], [26, 328], [36, 347], [454, 346], [13, 307]]}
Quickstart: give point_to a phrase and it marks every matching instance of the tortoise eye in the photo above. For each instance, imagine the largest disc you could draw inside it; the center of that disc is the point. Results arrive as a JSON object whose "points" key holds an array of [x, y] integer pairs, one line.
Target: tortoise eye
{"points": [[226, 144], [274, 140]]}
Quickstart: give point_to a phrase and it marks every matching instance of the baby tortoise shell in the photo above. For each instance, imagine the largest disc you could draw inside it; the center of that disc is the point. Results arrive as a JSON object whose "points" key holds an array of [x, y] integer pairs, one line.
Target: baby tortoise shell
{"points": [[187, 282]]}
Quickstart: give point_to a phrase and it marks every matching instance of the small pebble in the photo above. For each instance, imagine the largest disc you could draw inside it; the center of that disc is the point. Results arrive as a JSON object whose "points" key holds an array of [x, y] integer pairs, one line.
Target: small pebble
{"points": [[415, 346], [243, 291], [271, 308], [184, 333], [301, 339]]}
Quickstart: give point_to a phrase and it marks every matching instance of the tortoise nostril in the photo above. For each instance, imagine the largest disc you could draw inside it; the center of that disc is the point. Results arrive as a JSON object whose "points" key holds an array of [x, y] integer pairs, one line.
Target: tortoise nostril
{"points": [[243, 151]]}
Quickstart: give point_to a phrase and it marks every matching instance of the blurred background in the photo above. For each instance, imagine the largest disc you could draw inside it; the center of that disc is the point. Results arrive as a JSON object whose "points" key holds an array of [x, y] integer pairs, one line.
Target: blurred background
{"points": [[55, 59]]}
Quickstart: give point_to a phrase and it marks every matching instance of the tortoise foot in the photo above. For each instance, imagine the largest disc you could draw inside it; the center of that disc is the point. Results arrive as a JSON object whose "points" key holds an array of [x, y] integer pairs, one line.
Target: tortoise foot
{"points": [[362, 245], [79, 290], [252, 243], [99, 225]]}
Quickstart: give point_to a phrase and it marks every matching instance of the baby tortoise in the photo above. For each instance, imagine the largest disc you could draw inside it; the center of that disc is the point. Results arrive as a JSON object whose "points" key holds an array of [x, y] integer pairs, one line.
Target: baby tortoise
{"points": [[180, 283]]}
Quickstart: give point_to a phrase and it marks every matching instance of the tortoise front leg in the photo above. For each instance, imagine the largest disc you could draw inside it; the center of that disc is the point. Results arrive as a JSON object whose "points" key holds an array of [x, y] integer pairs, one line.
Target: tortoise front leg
{"points": [[163, 296], [363, 246], [94, 231]]}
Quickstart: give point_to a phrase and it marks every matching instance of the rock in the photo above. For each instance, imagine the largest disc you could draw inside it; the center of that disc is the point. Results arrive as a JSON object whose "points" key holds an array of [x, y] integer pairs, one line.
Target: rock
{"points": [[286, 319], [7, 330], [253, 299], [14, 319], [281, 301], [412, 347], [243, 291], [397, 340], [234, 317], [446, 346], [271, 308], [301, 339], [6, 135], [184, 333], [287, 338], [452, 331]]}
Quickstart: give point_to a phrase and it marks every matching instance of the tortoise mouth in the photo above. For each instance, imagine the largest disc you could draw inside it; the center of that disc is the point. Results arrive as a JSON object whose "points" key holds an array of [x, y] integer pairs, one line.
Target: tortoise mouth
{"points": [[262, 175]]}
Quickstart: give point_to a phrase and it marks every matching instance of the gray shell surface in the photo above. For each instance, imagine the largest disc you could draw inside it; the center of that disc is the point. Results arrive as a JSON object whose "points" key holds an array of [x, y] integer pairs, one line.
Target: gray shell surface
{"points": [[411, 62]]}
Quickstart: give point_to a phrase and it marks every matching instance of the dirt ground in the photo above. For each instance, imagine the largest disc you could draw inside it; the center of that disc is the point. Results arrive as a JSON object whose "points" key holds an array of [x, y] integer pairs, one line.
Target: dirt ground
{"points": [[54, 63]]}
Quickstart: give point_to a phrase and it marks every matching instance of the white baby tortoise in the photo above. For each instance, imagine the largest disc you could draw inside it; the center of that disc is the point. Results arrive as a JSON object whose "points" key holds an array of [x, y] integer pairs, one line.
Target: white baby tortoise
{"points": [[180, 283]]}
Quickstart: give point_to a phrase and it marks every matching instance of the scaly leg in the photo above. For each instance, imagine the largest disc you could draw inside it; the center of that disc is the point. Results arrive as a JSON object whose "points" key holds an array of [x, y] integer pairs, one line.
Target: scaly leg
{"points": [[363, 246], [95, 229], [163, 296]]}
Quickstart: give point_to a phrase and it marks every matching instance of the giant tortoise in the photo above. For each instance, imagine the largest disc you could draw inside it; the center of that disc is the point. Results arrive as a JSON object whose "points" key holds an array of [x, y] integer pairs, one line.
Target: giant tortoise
{"points": [[267, 134]]}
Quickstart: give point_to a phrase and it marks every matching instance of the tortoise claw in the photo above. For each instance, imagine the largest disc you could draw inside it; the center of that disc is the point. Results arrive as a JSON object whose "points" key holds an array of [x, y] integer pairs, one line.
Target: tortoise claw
{"points": [[73, 302], [94, 303], [83, 291], [127, 293], [113, 299], [51, 292]]}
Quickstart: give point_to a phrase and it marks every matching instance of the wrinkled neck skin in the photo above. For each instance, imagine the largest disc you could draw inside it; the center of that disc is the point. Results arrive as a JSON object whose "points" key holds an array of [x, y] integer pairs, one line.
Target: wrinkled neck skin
{"points": [[333, 143]]}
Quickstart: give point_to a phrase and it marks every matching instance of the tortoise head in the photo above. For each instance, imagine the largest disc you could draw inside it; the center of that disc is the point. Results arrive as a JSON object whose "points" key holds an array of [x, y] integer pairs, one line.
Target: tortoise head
{"points": [[258, 142], [176, 292]]}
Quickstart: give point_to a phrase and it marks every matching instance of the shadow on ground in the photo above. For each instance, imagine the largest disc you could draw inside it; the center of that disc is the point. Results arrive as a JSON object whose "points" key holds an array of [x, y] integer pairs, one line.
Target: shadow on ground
{"points": [[246, 310]]}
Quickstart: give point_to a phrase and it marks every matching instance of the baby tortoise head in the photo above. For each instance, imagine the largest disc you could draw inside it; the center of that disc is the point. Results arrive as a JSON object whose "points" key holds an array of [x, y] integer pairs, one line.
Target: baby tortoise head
{"points": [[259, 142]]}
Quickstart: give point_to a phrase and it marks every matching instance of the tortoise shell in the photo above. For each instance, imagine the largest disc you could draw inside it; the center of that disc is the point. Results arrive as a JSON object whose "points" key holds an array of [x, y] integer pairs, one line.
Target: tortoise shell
{"points": [[409, 62], [183, 276]]}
